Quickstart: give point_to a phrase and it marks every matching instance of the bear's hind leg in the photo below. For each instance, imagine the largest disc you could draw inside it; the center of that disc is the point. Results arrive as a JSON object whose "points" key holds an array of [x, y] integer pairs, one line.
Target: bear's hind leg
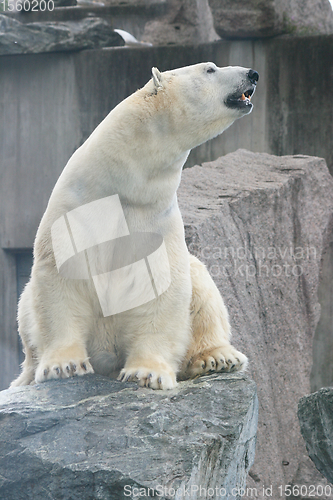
{"points": [[28, 368], [26, 325], [210, 348]]}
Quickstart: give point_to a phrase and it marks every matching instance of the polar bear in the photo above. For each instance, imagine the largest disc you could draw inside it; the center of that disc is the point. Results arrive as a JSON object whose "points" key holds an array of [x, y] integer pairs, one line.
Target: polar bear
{"points": [[136, 154]]}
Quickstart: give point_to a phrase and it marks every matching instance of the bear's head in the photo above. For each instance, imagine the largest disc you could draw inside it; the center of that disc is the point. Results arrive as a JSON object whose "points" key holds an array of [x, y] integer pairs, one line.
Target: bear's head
{"points": [[204, 99]]}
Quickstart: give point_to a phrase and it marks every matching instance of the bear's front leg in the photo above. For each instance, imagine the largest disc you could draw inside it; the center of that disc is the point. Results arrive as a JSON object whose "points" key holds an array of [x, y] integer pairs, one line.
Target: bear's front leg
{"points": [[210, 348], [155, 355], [220, 359], [59, 325], [63, 362], [152, 372], [158, 336]]}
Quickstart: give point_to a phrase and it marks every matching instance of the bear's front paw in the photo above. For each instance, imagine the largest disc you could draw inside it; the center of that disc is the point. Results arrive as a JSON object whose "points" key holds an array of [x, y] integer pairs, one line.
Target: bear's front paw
{"points": [[149, 377], [218, 359], [62, 369]]}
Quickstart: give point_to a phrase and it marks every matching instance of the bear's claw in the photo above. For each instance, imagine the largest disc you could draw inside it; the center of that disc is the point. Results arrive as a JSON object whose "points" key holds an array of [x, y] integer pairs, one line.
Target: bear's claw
{"points": [[60, 369], [148, 378], [220, 359]]}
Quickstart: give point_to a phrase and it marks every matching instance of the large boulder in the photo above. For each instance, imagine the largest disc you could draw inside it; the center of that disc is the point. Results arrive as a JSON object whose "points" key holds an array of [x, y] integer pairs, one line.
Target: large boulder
{"points": [[95, 438], [239, 18], [261, 224], [315, 413], [202, 21], [185, 22], [90, 33], [260, 18]]}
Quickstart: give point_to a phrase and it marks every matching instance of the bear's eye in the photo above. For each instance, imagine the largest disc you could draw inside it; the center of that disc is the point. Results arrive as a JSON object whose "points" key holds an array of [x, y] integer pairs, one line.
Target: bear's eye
{"points": [[211, 70]]}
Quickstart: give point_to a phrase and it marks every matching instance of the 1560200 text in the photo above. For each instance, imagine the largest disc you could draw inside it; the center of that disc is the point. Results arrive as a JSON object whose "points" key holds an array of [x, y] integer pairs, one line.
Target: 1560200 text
{"points": [[27, 5]]}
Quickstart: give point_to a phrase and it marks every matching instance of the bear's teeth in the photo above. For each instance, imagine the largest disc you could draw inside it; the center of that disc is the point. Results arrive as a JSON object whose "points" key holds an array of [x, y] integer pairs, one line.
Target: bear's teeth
{"points": [[246, 96]]}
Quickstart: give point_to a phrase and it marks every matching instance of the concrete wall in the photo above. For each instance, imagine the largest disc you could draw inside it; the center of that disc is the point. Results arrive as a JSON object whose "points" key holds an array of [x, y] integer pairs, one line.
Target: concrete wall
{"points": [[50, 103]]}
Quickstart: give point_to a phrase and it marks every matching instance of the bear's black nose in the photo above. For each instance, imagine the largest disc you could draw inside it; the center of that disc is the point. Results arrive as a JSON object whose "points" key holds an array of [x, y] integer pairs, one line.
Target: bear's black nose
{"points": [[253, 76]]}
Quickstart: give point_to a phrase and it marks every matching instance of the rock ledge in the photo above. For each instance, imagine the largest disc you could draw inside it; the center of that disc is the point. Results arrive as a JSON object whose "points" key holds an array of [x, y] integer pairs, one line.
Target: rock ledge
{"points": [[91, 437]]}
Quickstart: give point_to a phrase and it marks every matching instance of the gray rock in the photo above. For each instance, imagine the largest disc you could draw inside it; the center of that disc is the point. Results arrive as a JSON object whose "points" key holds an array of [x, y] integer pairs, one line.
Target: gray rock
{"points": [[306, 16], [90, 33], [322, 369], [202, 21], [240, 18], [261, 224], [315, 413], [257, 18], [87, 438], [186, 22]]}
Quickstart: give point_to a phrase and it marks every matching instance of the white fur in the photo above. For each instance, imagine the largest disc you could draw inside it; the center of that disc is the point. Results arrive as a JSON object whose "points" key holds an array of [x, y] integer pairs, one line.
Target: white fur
{"points": [[137, 152]]}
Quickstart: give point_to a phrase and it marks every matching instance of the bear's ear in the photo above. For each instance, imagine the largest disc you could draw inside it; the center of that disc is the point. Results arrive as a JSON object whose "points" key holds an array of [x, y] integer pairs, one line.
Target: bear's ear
{"points": [[157, 78]]}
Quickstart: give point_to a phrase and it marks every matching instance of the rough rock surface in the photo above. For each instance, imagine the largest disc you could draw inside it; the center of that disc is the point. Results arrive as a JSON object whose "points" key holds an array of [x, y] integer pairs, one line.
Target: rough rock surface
{"points": [[90, 33], [202, 21], [186, 22], [323, 340], [315, 413], [306, 16], [261, 224], [90, 437], [239, 18], [248, 18]]}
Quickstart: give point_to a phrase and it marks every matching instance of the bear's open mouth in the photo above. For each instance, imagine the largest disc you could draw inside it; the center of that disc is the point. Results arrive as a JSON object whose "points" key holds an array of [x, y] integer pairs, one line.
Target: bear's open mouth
{"points": [[240, 100]]}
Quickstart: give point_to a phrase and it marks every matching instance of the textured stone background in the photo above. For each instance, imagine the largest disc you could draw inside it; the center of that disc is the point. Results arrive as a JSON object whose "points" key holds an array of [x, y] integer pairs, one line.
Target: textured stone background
{"points": [[261, 224]]}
